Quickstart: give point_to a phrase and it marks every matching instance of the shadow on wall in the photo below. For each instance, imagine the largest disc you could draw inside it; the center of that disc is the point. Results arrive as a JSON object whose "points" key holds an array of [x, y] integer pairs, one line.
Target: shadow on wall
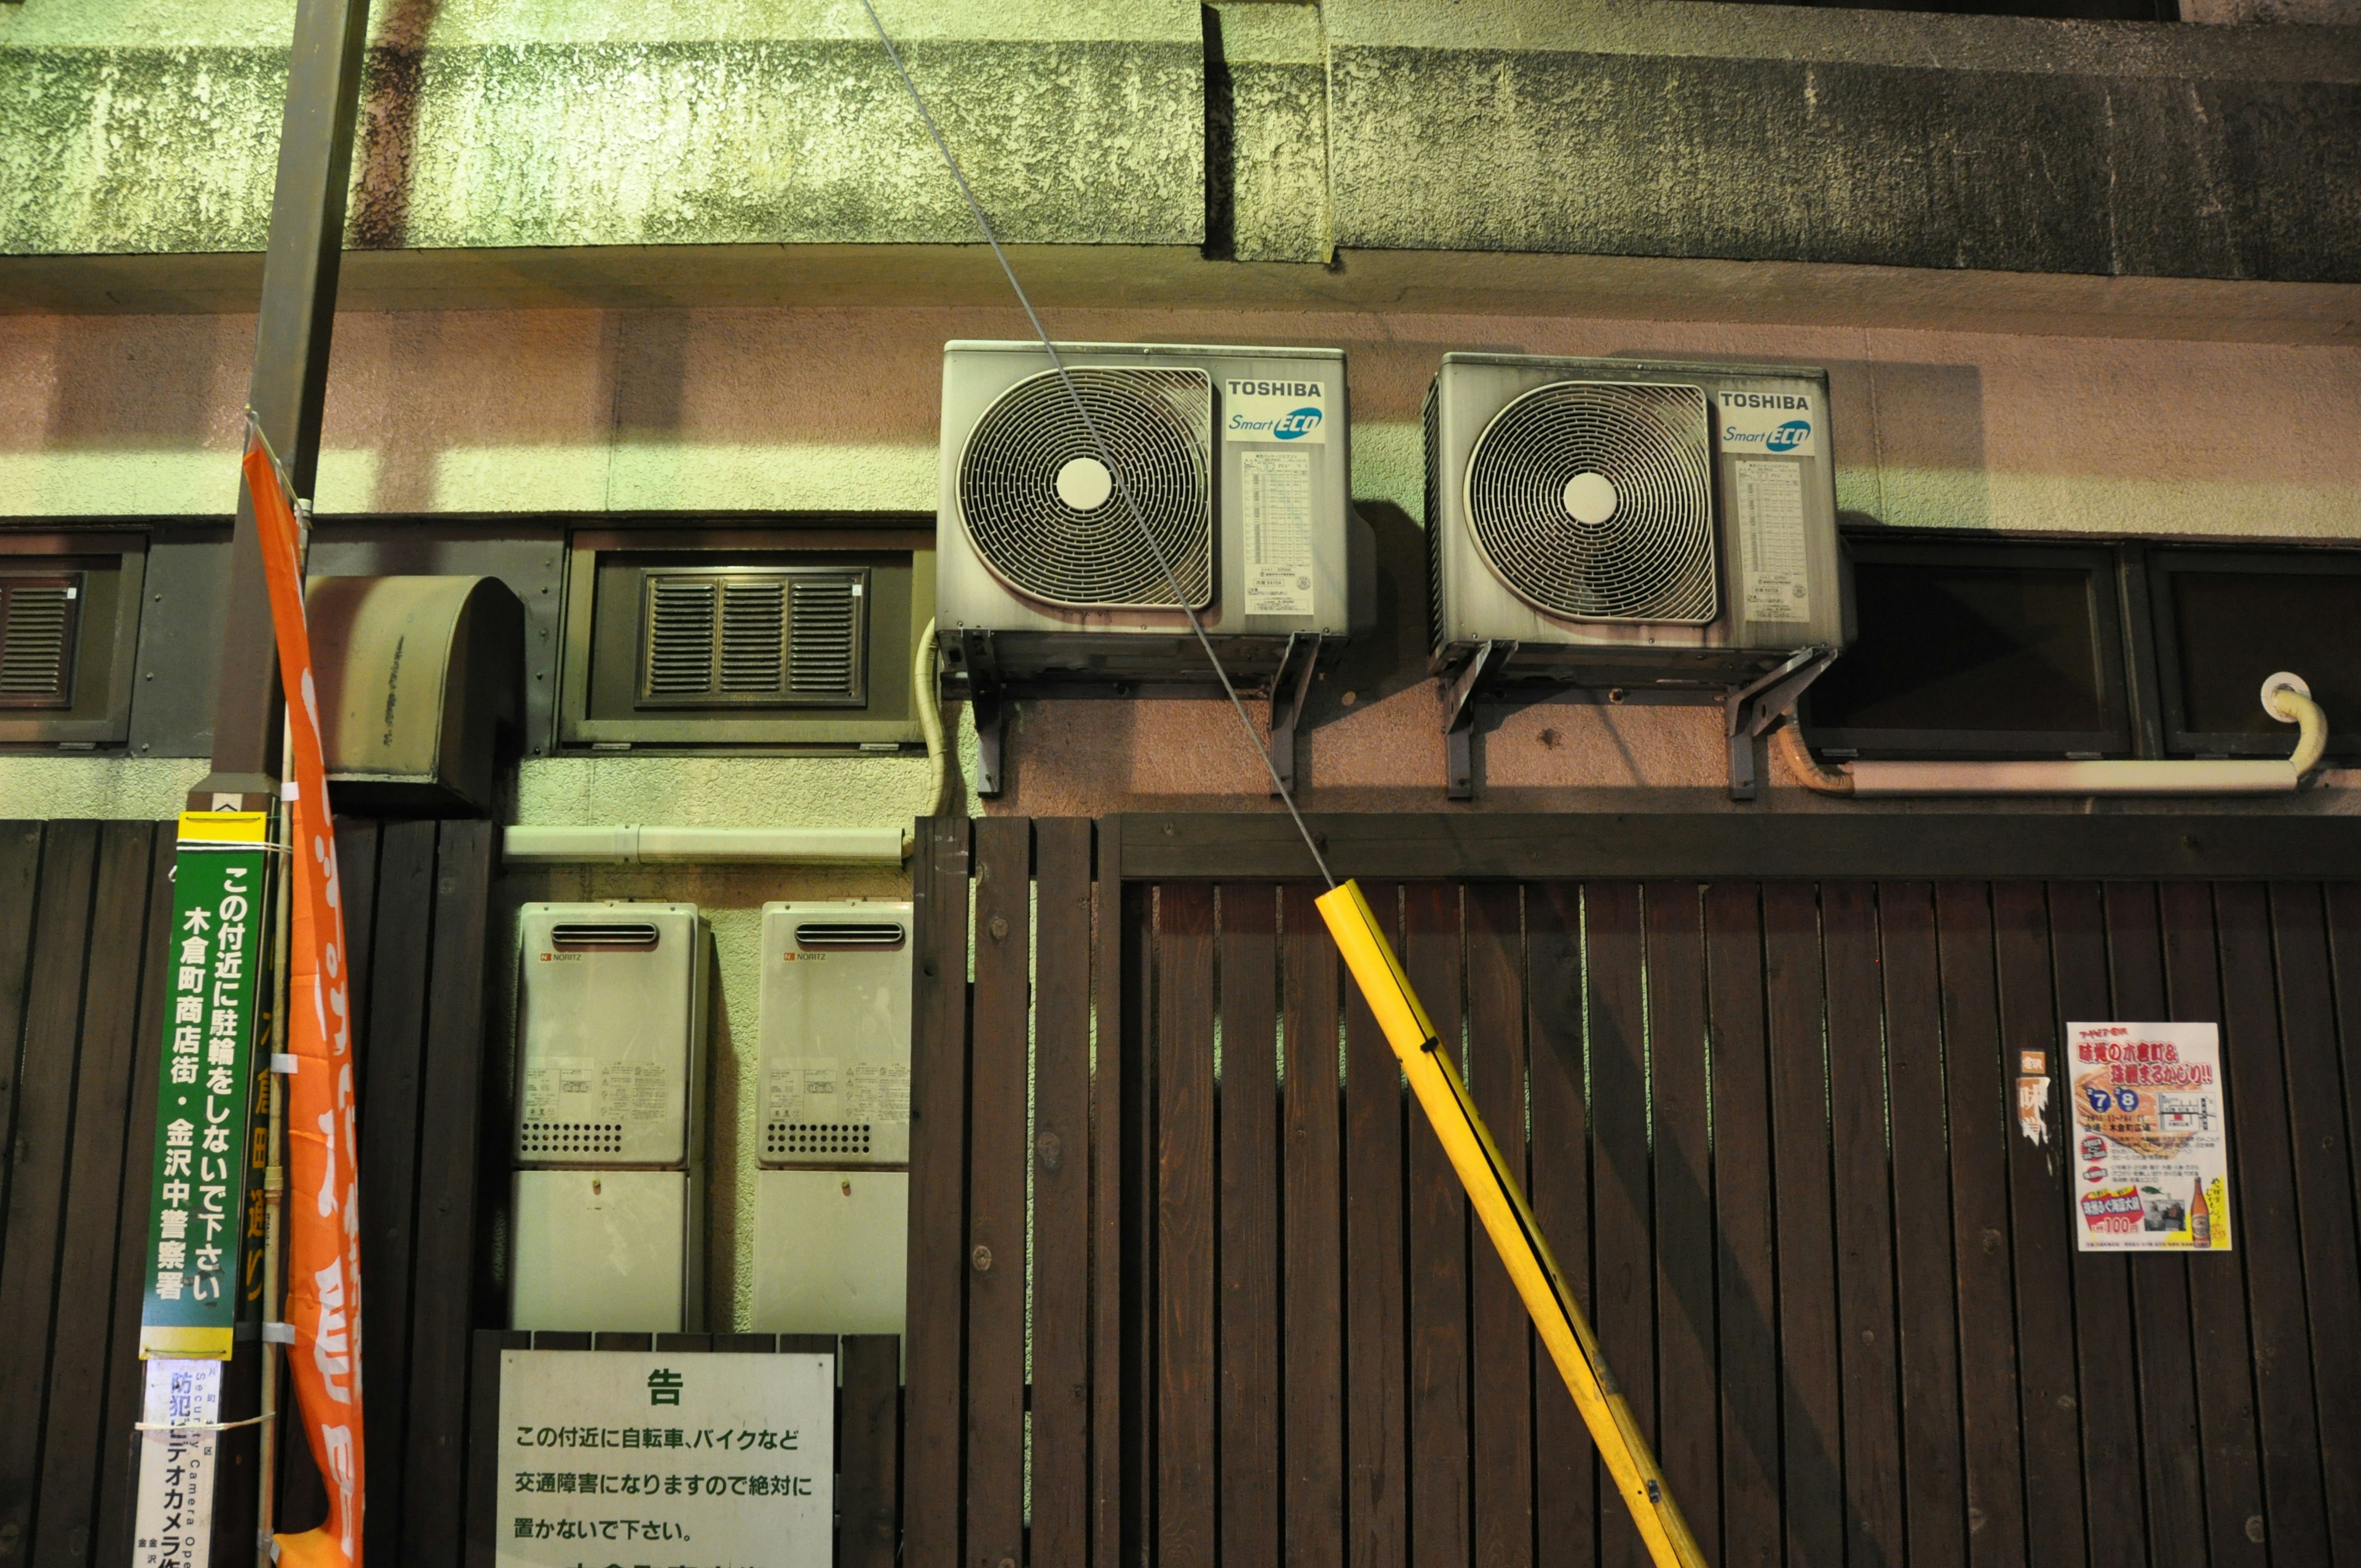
{"points": [[392, 78], [1925, 466]]}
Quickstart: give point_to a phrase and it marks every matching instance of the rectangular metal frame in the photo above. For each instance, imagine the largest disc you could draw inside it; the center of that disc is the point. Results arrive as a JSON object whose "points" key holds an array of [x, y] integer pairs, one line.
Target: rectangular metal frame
{"points": [[39, 730], [811, 728], [2107, 635], [2163, 563]]}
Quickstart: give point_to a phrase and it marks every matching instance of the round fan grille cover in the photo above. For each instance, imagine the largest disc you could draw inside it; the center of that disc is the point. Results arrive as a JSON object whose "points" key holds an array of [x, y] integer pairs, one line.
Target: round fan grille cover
{"points": [[1157, 425], [1538, 465]]}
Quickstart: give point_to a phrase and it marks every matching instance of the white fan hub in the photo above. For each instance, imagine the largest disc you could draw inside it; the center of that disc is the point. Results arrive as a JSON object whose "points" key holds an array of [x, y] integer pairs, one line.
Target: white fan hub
{"points": [[1589, 498], [1084, 484]]}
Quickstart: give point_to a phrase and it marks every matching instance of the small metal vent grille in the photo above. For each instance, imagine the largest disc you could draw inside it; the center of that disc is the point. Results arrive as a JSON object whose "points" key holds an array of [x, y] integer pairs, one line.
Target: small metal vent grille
{"points": [[827, 934], [1594, 500], [751, 637], [784, 1140], [38, 616], [570, 1137], [824, 644], [578, 937], [1041, 506]]}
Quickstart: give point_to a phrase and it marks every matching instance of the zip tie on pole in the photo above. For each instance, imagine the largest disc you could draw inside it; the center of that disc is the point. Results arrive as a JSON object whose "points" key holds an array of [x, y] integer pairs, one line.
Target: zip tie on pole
{"points": [[203, 1426]]}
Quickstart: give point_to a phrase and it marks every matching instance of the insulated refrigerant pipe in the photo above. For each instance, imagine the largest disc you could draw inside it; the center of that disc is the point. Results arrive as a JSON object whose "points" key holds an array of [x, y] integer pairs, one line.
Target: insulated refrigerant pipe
{"points": [[2285, 698]]}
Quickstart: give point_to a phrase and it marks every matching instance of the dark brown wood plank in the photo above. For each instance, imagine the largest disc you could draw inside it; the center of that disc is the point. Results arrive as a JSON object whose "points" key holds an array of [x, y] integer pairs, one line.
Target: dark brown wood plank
{"points": [[1623, 1261], [935, 1320], [2040, 1232], [20, 871], [1061, 1209], [2106, 1370], [1378, 1482], [37, 1153], [1247, 1156], [393, 1052], [1934, 1494], [2270, 1236], [450, 1165], [2222, 1336], [1982, 1114], [356, 846], [2171, 1447], [1745, 1280], [1119, 1233], [1811, 1403], [2324, 1174], [996, 1160], [1185, 1441], [1565, 1485], [1313, 1257], [124, 1388], [1440, 1517], [1687, 1404], [75, 1445], [1868, 1341], [1501, 1380], [867, 1448]]}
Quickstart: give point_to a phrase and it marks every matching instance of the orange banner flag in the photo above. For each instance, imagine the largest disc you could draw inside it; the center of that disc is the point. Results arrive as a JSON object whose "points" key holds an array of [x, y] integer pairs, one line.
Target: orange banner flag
{"points": [[324, 1233]]}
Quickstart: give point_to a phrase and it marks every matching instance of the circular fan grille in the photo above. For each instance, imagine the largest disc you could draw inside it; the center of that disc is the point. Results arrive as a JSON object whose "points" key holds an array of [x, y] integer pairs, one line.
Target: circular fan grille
{"points": [[1157, 425], [1594, 500]]}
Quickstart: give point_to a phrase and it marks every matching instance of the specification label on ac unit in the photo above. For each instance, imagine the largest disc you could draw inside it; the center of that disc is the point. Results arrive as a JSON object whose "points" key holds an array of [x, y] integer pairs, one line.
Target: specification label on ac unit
{"points": [[1275, 497], [1770, 496]]}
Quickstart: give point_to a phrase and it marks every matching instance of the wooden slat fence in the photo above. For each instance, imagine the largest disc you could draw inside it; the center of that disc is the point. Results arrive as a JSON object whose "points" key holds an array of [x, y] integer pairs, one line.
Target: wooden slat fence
{"points": [[1769, 1129]]}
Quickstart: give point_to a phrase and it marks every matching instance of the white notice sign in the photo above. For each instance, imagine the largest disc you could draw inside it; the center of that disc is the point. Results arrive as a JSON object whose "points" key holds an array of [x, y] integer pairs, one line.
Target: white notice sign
{"points": [[174, 1525], [664, 1459], [2152, 1166], [1275, 493]]}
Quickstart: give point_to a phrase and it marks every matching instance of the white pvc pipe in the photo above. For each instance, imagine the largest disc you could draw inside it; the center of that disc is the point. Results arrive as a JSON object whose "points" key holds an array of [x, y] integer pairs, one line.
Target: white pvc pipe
{"points": [[2285, 698], [802, 846]]}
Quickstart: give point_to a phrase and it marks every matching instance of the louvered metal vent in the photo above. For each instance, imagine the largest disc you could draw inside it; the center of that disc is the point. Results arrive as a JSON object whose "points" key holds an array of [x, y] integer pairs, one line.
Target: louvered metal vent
{"points": [[38, 616], [743, 637], [849, 933], [1594, 500], [786, 1140], [1043, 511], [580, 935]]}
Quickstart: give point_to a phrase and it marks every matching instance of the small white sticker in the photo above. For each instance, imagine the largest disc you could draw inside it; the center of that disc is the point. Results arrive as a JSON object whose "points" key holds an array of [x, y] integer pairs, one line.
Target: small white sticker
{"points": [[1784, 424], [174, 1524], [1274, 409], [1771, 530], [1275, 497]]}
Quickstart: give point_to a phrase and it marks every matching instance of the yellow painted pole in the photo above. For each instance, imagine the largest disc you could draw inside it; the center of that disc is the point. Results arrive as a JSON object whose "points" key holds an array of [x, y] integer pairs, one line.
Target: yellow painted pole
{"points": [[1499, 1202]]}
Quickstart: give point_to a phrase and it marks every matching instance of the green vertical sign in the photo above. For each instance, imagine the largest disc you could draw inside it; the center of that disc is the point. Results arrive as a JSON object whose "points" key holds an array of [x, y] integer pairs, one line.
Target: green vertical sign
{"points": [[197, 1218]]}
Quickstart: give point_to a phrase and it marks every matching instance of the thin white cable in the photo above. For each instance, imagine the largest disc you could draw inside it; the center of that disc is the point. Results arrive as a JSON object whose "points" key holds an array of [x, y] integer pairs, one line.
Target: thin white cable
{"points": [[1089, 427]]}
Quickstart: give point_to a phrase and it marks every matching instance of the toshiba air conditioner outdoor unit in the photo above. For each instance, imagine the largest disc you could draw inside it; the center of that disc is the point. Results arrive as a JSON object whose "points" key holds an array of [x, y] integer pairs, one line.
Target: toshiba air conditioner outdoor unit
{"points": [[835, 1034], [1650, 526]]}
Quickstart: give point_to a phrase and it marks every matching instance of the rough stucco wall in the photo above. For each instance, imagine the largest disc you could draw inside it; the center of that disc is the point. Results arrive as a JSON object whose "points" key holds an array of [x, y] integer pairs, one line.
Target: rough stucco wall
{"points": [[137, 126]]}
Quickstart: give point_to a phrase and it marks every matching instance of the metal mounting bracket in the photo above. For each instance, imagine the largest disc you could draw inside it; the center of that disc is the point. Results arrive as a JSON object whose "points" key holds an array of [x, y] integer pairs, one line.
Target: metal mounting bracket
{"points": [[1752, 711], [1290, 683], [1459, 715], [988, 702]]}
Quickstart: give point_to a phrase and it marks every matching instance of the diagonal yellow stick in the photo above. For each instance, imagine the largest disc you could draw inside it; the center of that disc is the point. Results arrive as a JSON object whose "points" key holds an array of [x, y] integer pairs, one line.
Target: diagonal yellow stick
{"points": [[1501, 1204]]}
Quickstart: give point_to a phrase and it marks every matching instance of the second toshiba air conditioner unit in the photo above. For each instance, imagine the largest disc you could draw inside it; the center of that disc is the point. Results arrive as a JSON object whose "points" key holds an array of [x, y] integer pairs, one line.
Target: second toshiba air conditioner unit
{"points": [[1630, 524], [1238, 460]]}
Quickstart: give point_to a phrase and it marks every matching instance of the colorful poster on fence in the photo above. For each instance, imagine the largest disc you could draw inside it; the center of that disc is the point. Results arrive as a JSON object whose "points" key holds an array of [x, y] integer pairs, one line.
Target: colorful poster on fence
{"points": [[197, 1206], [2152, 1137]]}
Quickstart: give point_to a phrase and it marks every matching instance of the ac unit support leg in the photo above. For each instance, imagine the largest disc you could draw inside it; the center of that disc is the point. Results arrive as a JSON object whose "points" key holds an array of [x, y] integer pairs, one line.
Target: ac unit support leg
{"points": [[987, 702], [1290, 683], [1748, 713], [1459, 717]]}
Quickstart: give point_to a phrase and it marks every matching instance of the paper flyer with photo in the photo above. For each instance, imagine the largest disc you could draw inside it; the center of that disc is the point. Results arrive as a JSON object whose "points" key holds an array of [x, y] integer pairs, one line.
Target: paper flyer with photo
{"points": [[2152, 1137]]}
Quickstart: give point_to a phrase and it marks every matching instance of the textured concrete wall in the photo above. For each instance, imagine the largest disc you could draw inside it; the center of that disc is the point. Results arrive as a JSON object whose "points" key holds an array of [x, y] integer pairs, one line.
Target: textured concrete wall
{"points": [[132, 127]]}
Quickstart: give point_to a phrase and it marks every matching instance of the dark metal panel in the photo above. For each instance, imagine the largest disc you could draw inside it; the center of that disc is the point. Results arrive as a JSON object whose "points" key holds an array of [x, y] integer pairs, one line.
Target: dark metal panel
{"points": [[1783, 845], [180, 629]]}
